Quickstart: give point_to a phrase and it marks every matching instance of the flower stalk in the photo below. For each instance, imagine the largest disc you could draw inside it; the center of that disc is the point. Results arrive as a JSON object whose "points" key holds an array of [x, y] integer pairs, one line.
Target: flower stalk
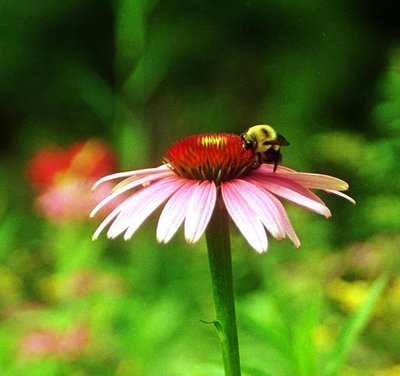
{"points": [[220, 261]]}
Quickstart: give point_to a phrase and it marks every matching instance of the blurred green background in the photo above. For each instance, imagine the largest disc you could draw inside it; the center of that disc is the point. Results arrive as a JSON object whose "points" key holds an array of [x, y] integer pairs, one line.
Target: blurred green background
{"points": [[140, 75]]}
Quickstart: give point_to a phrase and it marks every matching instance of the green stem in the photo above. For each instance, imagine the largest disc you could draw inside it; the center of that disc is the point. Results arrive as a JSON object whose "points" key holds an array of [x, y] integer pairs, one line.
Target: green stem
{"points": [[219, 255]]}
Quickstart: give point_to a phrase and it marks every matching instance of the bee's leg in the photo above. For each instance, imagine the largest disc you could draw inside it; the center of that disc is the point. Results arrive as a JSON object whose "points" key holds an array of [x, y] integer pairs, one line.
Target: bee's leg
{"points": [[257, 159], [277, 159]]}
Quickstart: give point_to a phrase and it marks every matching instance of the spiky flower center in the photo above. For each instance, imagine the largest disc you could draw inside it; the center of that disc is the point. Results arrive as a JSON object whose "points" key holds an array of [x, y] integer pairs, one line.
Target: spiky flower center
{"points": [[212, 156]]}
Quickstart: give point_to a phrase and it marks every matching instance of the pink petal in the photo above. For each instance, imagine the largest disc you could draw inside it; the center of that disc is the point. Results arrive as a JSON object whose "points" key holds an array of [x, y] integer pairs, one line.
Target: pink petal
{"points": [[110, 217], [293, 192], [120, 175], [200, 210], [244, 217], [138, 207], [288, 183], [308, 180], [174, 212], [284, 219], [131, 179], [260, 204], [136, 182], [153, 202], [278, 212], [318, 181]]}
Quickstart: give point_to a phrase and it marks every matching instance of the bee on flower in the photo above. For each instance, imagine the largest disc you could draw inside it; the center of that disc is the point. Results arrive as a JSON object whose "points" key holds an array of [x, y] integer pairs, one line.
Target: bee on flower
{"points": [[205, 170], [265, 143]]}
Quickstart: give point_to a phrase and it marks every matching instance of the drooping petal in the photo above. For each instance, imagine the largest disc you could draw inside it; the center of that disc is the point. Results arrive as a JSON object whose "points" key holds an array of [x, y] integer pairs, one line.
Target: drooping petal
{"points": [[260, 204], [283, 218], [341, 194], [277, 211], [200, 210], [110, 217], [125, 174], [295, 193], [135, 183], [244, 217], [174, 212], [153, 202], [141, 205]]}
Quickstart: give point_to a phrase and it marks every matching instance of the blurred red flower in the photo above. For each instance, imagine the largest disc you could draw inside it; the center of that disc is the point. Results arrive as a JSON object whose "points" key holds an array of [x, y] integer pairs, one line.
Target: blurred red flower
{"points": [[60, 176], [48, 342]]}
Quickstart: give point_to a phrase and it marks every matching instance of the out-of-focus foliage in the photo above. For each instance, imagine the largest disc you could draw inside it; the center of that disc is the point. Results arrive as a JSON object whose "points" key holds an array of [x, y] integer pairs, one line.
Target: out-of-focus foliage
{"points": [[142, 74]]}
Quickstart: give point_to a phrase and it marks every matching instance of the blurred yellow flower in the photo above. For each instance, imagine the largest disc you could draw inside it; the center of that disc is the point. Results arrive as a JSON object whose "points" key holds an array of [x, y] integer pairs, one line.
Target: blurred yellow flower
{"points": [[392, 371], [349, 295], [323, 336]]}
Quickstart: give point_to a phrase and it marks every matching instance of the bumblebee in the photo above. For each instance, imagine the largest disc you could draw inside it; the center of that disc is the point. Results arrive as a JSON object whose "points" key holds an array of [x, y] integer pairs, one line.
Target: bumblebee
{"points": [[265, 143]]}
